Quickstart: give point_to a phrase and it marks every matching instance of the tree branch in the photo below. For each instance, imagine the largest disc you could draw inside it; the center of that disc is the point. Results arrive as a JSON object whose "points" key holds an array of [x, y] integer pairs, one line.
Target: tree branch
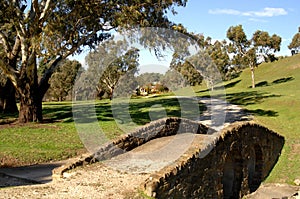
{"points": [[44, 82], [35, 5], [10, 72], [4, 39], [16, 48], [45, 10]]}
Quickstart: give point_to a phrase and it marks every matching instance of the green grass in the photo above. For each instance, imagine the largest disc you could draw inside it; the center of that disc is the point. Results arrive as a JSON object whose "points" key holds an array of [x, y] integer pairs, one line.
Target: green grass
{"points": [[58, 138], [34, 143], [275, 103]]}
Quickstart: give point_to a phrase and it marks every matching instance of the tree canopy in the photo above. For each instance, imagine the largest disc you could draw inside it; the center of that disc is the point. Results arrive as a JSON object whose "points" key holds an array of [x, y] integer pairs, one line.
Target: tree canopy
{"points": [[106, 65], [266, 45], [247, 51], [294, 46], [62, 80], [53, 30]]}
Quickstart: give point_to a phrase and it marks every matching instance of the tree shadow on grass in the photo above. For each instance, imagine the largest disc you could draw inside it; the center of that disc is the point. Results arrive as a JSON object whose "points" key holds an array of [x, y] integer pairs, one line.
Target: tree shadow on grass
{"points": [[139, 111], [144, 111], [91, 112], [249, 97], [85, 112], [261, 112], [283, 80], [228, 85], [252, 97], [277, 81], [261, 84]]}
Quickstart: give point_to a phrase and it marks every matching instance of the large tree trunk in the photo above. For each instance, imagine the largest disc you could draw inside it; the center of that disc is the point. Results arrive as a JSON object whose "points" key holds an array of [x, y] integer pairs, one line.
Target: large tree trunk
{"points": [[31, 92], [30, 97], [30, 109], [8, 98]]}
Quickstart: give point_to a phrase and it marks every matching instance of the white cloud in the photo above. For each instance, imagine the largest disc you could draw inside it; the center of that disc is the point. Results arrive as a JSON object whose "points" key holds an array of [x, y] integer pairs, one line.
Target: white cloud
{"points": [[269, 12], [258, 20], [266, 12], [224, 11]]}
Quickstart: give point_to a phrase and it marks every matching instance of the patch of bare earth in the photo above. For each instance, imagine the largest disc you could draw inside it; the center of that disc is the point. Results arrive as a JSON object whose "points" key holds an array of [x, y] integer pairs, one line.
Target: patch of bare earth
{"points": [[91, 181], [10, 123]]}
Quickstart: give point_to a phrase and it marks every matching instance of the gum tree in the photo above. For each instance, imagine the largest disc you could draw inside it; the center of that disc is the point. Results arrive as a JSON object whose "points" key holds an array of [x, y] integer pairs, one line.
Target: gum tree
{"points": [[53, 30], [111, 61], [294, 46], [266, 45], [246, 51]]}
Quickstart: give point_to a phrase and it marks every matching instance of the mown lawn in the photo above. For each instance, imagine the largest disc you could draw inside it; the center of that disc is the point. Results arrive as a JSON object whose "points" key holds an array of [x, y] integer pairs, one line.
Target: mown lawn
{"points": [[58, 138], [275, 103]]}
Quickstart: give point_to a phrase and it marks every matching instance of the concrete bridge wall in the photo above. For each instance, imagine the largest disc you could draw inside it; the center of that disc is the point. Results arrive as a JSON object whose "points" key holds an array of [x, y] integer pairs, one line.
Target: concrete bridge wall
{"points": [[156, 129], [233, 165], [226, 164]]}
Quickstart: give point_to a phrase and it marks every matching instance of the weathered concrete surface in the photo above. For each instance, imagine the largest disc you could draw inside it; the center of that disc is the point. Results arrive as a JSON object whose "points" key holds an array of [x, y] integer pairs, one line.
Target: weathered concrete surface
{"points": [[158, 153], [276, 191], [41, 173]]}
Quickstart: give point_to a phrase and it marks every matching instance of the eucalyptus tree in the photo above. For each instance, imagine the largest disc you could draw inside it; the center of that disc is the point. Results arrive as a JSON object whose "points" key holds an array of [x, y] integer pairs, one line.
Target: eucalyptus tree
{"points": [[294, 46], [53, 30], [63, 78], [266, 45], [110, 61], [246, 51], [219, 55], [186, 69]]}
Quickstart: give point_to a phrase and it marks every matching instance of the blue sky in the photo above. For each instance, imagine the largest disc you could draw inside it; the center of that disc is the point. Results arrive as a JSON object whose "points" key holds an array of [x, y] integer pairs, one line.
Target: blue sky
{"points": [[213, 18]]}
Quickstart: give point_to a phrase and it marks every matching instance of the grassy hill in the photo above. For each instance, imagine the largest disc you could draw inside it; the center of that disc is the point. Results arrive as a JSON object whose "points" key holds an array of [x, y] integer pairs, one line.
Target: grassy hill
{"points": [[275, 103]]}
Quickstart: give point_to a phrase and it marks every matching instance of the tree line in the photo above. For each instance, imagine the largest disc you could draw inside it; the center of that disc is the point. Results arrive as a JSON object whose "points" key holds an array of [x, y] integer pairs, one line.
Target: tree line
{"points": [[228, 57]]}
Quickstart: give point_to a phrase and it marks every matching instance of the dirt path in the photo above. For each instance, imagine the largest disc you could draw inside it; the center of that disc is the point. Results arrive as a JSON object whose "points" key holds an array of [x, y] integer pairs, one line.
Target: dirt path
{"points": [[220, 114], [93, 181]]}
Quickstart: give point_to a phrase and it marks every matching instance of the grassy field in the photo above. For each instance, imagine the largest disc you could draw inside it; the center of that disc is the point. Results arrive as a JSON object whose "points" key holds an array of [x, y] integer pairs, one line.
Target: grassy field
{"points": [[35, 143], [57, 138], [275, 103]]}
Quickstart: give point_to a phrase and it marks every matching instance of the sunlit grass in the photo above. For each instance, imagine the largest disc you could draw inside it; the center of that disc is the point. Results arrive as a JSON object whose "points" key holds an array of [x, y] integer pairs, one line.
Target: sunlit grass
{"points": [[275, 103]]}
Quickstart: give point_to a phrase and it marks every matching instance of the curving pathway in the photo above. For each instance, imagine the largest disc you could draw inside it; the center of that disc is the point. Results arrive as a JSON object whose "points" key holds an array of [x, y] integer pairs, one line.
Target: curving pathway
{"points": [[220, 114]]}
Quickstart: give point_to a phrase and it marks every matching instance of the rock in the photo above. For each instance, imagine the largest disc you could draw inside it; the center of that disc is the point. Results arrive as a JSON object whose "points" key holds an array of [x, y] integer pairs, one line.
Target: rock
{"points": [[297, 182]]}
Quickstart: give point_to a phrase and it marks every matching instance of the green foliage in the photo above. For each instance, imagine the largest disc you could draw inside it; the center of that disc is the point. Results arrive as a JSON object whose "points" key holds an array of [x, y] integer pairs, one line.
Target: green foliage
{"points": [[295, 44], [53, 30], [173, 80], [147, 78], [186, 69], [218, 53], [265, 44], [110, 62], [246, 51], [62, 80], [238, 38]]}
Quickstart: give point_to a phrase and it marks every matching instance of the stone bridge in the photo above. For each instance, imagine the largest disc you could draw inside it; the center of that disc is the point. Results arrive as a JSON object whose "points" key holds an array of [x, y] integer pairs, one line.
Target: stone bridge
{"points": [[186, 159]]}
